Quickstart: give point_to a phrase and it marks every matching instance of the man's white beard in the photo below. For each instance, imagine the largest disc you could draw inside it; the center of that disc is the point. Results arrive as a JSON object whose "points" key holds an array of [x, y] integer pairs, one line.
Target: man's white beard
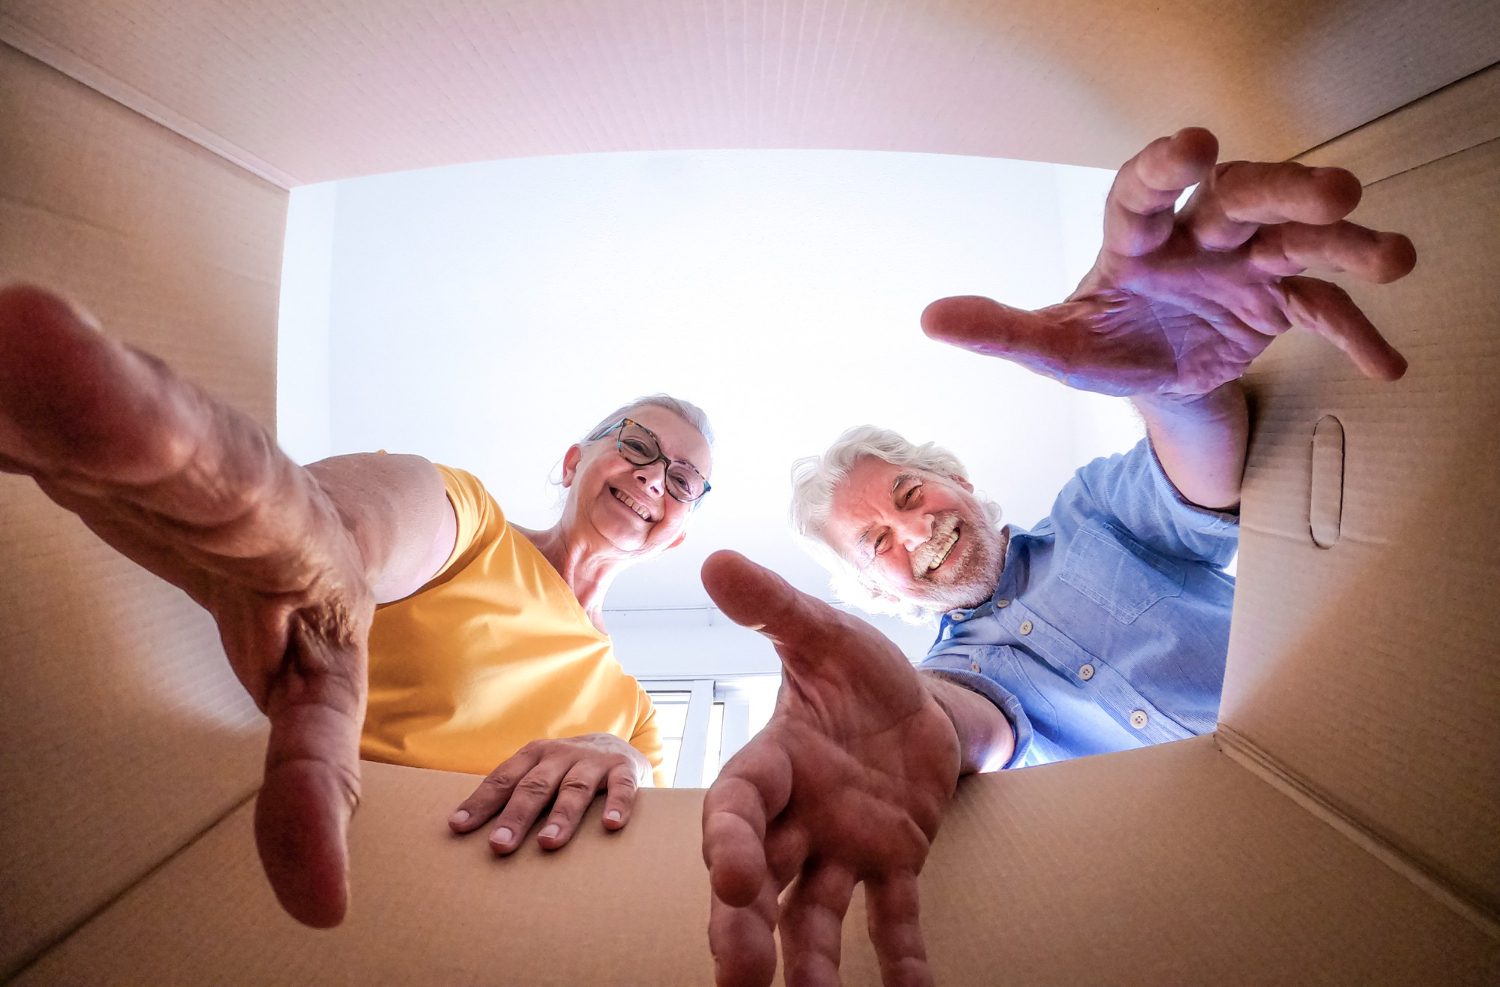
{"points": [[971, 578]]}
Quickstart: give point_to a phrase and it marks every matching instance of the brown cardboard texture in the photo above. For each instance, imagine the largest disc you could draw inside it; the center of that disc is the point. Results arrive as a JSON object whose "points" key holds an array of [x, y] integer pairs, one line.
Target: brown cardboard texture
{"points": [[1340, 827]]}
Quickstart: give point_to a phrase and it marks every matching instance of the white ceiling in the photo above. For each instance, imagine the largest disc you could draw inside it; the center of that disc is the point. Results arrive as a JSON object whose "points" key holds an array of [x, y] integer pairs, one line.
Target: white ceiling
{"points": [[486, 315]]}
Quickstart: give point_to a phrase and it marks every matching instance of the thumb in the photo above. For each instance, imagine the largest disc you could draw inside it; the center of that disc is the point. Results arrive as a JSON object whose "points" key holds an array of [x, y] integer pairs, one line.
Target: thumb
{"points": [[753, 596], [310, 790], [814, 640], [985, 326]]}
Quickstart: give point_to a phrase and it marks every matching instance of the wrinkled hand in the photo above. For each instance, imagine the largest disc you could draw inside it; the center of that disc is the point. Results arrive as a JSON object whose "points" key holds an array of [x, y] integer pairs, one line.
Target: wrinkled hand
{"points": [[1182, 302], [847, 783], [201, 496], [570, 771]]}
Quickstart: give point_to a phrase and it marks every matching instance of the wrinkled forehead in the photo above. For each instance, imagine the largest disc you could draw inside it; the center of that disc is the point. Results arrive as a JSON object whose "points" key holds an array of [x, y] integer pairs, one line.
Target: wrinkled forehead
{"points": [[679, 438], [861, 498]]}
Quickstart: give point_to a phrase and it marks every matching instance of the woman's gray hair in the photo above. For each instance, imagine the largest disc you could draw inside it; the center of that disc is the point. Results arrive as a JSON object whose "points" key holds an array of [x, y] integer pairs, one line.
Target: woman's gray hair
{"points": [[687, 411], [815, 479]]}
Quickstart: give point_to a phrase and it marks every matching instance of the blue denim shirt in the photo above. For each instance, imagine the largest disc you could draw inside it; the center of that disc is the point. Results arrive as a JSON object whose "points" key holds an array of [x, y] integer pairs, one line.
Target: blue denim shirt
{"points": [[1110, 626]]}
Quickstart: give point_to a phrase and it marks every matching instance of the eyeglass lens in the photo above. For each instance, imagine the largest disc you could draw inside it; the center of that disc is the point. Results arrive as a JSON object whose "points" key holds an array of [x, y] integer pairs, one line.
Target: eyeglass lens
{"points": [[639, 446]]}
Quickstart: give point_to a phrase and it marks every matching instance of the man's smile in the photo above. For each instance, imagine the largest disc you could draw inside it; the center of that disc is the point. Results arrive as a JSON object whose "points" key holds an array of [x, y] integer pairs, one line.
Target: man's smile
{"points": [[937, 549]]}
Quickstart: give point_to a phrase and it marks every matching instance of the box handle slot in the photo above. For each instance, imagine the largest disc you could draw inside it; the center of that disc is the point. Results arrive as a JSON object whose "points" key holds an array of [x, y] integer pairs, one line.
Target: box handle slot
{"points": [[1326, 510]]}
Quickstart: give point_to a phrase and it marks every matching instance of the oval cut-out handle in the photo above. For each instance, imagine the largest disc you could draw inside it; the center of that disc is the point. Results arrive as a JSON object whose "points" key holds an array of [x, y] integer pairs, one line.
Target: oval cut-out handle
{"points": [[1326, 511]]}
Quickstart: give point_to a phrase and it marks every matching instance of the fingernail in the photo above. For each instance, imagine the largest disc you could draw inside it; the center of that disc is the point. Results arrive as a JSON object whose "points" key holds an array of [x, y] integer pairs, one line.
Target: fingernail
{"points": [[549, 831], [459, 818], [613, 815], [502, 835]]}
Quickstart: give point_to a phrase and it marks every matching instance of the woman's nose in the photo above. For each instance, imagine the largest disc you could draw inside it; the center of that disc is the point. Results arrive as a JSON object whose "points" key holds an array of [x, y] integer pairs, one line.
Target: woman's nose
{"points": [[652, 476]]}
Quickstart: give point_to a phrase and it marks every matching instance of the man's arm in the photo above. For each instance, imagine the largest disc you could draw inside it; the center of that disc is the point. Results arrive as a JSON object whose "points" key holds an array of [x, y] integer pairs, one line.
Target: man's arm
{"points": [[986, 739], [1200, 441]]}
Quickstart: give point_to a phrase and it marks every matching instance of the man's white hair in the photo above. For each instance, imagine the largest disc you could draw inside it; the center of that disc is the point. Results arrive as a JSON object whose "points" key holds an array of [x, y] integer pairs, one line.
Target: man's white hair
{"points": [[815, 479]]}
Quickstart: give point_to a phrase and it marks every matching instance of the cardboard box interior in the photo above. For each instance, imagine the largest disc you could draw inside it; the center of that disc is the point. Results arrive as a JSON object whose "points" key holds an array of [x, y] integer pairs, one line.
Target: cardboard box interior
{"points": [[1339, 828]]}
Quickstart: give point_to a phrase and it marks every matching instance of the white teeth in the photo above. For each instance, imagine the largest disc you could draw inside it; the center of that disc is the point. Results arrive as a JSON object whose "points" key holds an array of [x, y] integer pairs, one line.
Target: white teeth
{"points": [[943, 553], [624, 498]]}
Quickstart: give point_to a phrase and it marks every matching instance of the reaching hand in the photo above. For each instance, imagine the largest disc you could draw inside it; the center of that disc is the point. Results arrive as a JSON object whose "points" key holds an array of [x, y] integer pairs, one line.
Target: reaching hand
{"points": [[1180, 302], [201, 496], [847, 783], [572, 771]]}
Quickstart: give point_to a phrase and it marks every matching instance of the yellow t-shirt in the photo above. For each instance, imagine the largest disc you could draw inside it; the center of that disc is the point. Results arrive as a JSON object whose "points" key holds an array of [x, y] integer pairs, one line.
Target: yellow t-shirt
{"points": [[495, 651]]}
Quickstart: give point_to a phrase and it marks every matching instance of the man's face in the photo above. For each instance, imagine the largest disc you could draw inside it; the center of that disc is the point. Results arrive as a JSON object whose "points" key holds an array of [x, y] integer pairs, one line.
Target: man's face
{"points": [[915, 535]]}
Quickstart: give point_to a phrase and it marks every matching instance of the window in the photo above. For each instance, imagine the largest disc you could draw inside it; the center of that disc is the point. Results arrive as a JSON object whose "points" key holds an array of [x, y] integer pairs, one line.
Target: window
{"points": [[704, 722]]}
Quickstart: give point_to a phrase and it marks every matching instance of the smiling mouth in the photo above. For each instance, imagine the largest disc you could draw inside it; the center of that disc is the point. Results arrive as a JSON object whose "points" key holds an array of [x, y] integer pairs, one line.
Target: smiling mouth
{"points": [[936, 551], [643, 512]]}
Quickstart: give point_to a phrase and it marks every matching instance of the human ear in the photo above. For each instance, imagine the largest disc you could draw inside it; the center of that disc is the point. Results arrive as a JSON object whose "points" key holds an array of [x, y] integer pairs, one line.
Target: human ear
{"points": [[570, 463], [681, 537], [961, 481]]}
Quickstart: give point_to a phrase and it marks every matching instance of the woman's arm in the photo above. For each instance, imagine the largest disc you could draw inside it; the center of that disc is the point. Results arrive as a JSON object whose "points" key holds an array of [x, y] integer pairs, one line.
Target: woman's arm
{"points": [[399, 514]]}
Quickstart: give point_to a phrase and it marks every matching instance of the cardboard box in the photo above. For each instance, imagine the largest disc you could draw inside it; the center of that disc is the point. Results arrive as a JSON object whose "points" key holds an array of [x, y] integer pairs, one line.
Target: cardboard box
{"points": [[1342, 825]]}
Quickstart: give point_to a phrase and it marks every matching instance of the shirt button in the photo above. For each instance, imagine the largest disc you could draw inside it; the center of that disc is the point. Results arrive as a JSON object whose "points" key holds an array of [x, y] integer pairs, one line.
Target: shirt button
{"points": [[1002, 603], [1139, 719], [1025, 627], [973, 666], [1086, 672]]}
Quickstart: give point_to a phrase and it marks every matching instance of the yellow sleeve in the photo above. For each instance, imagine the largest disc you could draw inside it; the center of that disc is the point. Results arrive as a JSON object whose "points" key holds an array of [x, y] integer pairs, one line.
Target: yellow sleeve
{"points": [[480, 519], [647, 737]]}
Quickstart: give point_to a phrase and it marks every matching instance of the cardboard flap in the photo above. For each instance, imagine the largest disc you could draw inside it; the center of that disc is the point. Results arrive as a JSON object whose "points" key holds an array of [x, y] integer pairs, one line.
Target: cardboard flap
{"points": [[1168, 865], [302, 95], [1366, 670], [126, 734]]}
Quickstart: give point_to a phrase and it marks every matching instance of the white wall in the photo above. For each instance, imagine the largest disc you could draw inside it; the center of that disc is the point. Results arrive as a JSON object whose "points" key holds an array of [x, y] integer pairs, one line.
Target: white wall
{"points": [[304, 409], [485, 315]]}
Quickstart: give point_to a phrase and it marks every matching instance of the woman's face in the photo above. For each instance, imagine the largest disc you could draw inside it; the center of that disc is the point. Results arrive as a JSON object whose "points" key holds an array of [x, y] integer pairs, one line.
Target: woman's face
{"points": [[627, 507]]}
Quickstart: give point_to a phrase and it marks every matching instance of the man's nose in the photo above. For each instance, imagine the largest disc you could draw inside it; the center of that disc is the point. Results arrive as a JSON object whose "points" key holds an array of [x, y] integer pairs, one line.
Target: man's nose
{"points": [[914, 530]]}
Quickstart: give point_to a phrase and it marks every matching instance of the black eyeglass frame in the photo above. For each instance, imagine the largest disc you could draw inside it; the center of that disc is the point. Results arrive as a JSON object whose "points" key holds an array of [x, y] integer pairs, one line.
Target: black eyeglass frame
{"points": [[659, 458]]}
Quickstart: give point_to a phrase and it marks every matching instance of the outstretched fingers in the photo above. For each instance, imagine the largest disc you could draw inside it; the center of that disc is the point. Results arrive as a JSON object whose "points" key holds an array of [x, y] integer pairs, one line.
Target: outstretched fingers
{"points": [[1291, 248], [752, 790], [742, 939], [812, 924], [1327, 310], [894, 917], [986, 327], [1138, 214], [1242, 196], [743, 865]]}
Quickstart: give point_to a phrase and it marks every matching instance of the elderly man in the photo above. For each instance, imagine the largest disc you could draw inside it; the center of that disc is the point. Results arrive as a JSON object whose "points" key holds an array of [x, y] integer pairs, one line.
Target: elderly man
{"points": [[1103, 628]]}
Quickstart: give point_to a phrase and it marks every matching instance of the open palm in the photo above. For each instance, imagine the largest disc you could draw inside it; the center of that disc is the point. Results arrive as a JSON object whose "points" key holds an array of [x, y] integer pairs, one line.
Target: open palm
{"points": [[847, 784], [1181, 301]]}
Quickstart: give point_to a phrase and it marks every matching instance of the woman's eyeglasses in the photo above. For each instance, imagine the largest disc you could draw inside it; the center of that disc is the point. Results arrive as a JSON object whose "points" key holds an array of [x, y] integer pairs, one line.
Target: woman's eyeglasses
{"points": [[640, 447]]}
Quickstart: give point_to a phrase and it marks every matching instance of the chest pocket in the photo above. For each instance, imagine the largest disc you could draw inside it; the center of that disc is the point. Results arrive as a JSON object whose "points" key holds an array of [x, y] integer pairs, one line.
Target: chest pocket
{"points": [[1126, 578]]}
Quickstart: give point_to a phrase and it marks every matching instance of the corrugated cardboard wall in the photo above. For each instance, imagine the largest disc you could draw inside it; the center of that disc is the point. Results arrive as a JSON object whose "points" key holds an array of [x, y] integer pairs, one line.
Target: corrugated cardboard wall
{"points": [[1172, 865], [311, 92], [1368, 669], [124, 734]]}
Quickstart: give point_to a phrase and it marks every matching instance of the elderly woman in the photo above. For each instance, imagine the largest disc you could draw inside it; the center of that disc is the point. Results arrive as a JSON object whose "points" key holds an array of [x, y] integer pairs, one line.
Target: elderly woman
{"points": [[504, 645], [488, 647]]}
